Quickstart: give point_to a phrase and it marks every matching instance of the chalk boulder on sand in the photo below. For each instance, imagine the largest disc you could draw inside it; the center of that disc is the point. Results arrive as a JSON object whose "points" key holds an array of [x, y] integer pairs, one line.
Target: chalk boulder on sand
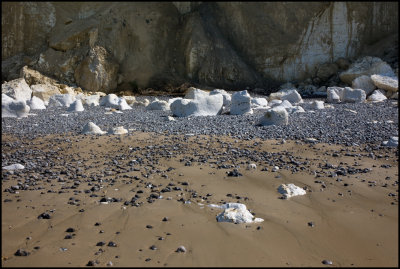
{"points": [[290, 190], [91, 128], [118, 130], [236, 213], [17, 89]]}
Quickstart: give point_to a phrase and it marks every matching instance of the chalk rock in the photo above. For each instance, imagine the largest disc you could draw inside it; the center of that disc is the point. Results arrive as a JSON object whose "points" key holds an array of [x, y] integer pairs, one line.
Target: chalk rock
{"points": [[317, 105], [118, 130], [274, 102], [225, 94], [290, 190], [237, 213], [286, 104], [36, 103], [334, 94], [64, 100], [365, 83], [210, 105], [11, 108], [110, 100], [275, 116], [16, 166], [122, 104], [44, 91], [91, 100], [393, 142], [129, 99], [295, 109], [377, 96], [386, 83], [17, 89], [158, 105], [259, 102], [76, 106], [241, 103], [353, 95], [291, 95], [194, 93], [366, 66], [91, 128]]}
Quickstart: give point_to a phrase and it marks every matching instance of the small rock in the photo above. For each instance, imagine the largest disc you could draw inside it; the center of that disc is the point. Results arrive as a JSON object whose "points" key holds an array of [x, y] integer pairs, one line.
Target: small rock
{"points": [[181, 249]]}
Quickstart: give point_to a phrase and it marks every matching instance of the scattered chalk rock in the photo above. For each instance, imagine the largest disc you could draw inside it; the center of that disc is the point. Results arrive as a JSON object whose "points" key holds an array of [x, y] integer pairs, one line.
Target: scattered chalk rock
{"points": [[227, 97], [91, 128], [203, 105], [387, 83], [275, 116], [392, 143], [36, 103], [377, 96], [110, 100], [353, 95], [365, 83], [274, 102], [291, 95], [76, 106], [259, 103], [290, 190], [241, 103], [16, 166], [61, 100], [11, 108], [334, 94], [122, 104], [158, 105], [17, 89], [117, 130], [237, 213], [91, 100], [366, 66], [317, 105]]}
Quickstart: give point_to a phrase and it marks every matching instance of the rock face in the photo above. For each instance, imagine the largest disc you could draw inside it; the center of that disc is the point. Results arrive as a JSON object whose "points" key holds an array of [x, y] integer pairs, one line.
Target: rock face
{"points": [[97, 72], [150, 44]]}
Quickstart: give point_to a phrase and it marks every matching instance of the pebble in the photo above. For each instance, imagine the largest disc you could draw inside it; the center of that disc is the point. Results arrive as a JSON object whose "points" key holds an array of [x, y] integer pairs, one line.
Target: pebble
{"points": [[21, 252], [327, 262], [181, 249]]}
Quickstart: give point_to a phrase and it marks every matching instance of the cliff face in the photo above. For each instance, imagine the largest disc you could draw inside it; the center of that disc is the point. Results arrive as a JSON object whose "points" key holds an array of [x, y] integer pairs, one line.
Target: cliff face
{"points": [[227, 44]]}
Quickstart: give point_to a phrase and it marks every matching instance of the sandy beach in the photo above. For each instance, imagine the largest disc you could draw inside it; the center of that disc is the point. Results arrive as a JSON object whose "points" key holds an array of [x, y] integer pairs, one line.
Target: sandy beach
{"points": [[350, 219]]}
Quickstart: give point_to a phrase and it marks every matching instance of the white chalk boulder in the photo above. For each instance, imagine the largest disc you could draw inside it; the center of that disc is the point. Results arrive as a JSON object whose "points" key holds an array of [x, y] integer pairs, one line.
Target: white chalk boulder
{"points": [[17, 89], [158, 105], [225, 94], [274, 102], [11, 108], [275, 116], [353, 95], [91, 128], [209, 105], [317, 105], [290, 190], [366, 66], [110, 100], [122, 104], [194, 93], [259, 103], [365, 83], [241, 103], [387, 83], [63, 100], [291, 95], [76, 106], [16, 166], [377, 96], [334, 94], [91, 100], [237, 213], [44, 91], [392, 143], [36, 103], [118, 130]]}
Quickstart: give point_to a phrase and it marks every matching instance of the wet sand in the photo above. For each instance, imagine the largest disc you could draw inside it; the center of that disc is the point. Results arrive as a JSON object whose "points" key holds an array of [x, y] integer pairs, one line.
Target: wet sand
{"points": [[355, 224]]}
